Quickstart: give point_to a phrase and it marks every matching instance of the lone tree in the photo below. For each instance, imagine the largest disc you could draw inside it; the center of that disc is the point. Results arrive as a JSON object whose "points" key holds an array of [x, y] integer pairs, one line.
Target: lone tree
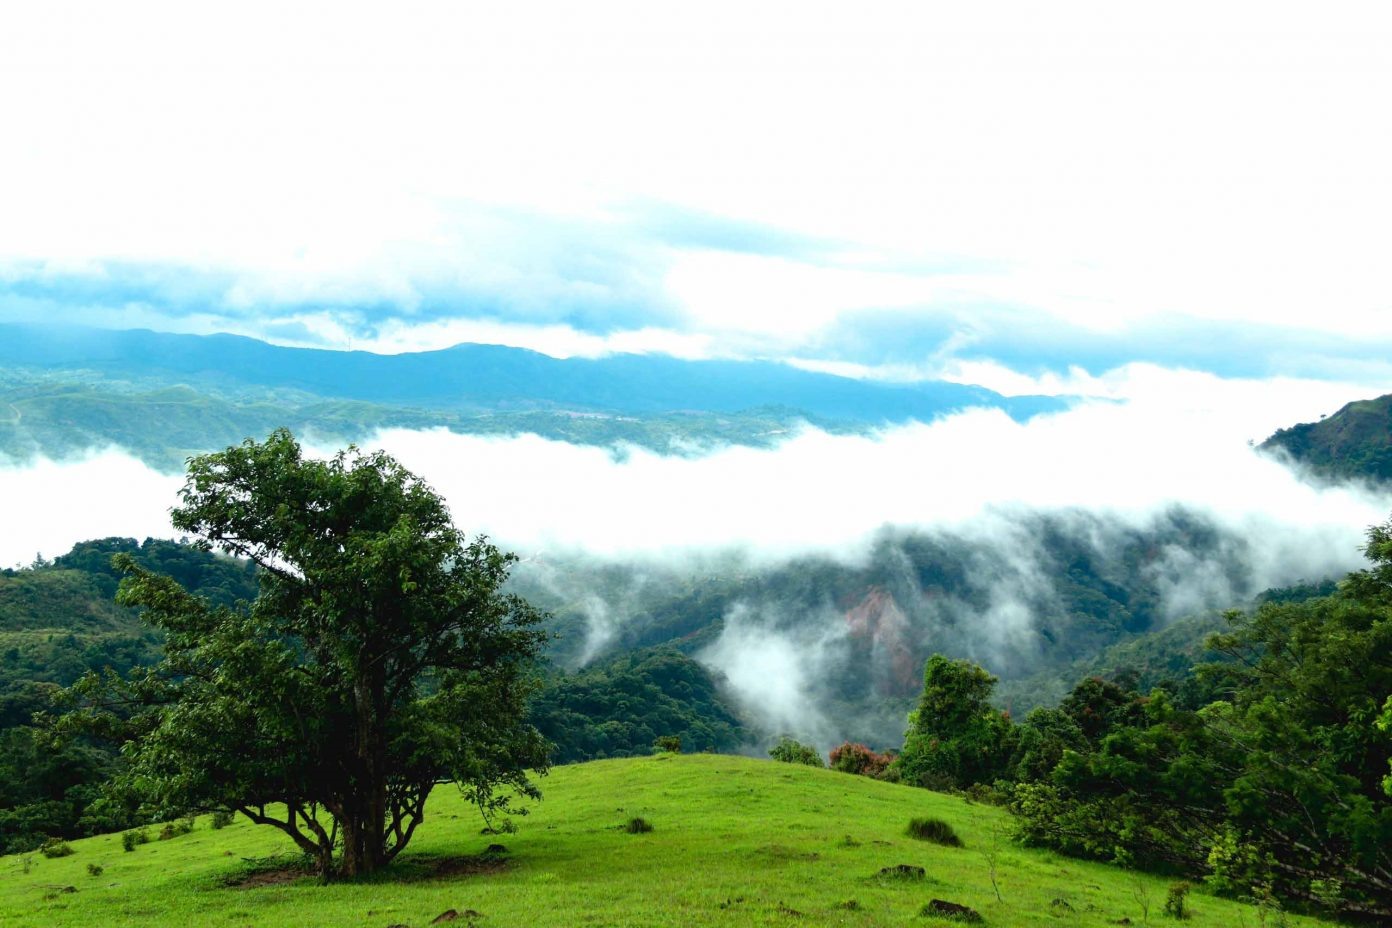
{"points": [[379, 658], [955, 737]]}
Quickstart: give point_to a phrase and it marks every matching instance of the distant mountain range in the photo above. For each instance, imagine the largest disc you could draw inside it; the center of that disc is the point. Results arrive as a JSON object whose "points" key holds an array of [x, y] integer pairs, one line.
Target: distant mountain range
{"points": [[165, 396], [493, 377]]}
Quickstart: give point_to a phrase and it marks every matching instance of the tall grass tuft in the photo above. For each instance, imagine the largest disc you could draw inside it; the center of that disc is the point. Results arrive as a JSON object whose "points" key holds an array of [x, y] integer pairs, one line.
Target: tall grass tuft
{"points": [[935, 830]]}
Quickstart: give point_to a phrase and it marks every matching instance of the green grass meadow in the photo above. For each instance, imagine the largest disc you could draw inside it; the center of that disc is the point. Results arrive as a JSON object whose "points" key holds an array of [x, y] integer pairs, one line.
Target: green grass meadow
{"points": [[735, 841]]}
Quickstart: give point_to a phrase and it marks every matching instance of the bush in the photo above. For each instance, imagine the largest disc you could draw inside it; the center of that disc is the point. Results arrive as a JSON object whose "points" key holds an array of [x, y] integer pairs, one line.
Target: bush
{"points": [[1175, 901], [935, 830], [998, 795], [857, 758], [130, 839], [55, 847], [94, 869], [789, 751], [638, 826], [222, 818], [176, 829], [668, 744]]}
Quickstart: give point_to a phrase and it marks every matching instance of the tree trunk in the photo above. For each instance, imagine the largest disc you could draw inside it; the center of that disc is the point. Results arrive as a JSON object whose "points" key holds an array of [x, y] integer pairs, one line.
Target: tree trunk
{"points": [[365, 818], [358, 857]]}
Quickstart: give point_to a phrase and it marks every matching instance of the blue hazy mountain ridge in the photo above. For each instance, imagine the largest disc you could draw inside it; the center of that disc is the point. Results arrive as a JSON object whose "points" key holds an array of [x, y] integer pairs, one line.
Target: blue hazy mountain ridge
{"points": [[478, 378]]}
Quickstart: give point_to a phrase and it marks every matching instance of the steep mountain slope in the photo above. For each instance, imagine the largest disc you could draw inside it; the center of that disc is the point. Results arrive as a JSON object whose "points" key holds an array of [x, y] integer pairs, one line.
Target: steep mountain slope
{"points": [[1354, 443], [829, 649]]}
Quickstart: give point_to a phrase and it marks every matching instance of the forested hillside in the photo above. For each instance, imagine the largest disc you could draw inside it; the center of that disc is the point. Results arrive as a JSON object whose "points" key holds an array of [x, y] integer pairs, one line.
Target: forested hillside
{"points": [[67, 389], [1264, 769], [1040, 612], [59, 620], [67, 413], [1354, 443]]}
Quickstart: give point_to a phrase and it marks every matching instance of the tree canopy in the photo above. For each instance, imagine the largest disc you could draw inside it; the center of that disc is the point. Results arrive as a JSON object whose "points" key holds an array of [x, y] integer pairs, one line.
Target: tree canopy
{"points": [[1274, 785], [379, 658]]}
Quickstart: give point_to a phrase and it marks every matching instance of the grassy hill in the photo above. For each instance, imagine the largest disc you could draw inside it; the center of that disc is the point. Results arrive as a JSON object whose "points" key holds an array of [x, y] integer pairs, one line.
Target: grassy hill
{"points": [[1355, 442], [735, 841]]}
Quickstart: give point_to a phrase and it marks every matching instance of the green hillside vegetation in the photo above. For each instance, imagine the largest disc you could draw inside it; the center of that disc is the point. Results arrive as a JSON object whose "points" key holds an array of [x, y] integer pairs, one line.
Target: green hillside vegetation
{"points": [[59, 620], [1167, 658], [66, 390], [621, 708], [1164, 657], [914, 595], [473, 378], [1264, 772], [1354, 443], [57, 417], [734, 841]]}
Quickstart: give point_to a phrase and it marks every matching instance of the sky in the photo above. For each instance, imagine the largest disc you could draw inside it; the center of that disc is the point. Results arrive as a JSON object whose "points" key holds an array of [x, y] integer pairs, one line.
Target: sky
{"points": [[1023, 195], [1176, 214]]}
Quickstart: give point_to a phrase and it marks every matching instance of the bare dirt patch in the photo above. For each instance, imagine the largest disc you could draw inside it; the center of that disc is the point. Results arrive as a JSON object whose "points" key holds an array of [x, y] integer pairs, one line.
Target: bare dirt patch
{"points": [[267, 875], [445, 867]]}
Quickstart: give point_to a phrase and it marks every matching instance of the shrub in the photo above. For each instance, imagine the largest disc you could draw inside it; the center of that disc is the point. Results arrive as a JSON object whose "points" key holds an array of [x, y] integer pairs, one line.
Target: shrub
{"points": [[668, 744], [1175, 901], [222, 818], [857, 758], [176, 829], [130, 839], [988, 794], [638, 826], [55, 847], [935, 830], [94, 869], [789, 751]]}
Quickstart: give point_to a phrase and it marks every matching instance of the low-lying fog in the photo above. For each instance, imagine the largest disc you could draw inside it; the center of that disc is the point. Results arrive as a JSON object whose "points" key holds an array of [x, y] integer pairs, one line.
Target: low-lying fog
{"points": [[1170, 440]]}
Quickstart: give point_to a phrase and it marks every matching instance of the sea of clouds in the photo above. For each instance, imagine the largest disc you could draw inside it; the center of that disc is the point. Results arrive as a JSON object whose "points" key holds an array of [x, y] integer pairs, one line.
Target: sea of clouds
{"points": [[1162, 440]]}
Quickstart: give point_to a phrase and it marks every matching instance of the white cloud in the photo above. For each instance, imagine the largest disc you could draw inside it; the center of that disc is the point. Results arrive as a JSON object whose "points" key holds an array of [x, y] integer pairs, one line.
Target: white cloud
{"points": [[1163, 437], [976, 482], [1110, 165], [1179, 437], [51, 505]]}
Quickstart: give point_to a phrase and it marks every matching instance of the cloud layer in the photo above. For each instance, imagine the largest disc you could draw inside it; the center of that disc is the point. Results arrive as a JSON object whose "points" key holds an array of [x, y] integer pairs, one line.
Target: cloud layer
{"points": [[1165, 448], [1170, 438], [792, 180]]}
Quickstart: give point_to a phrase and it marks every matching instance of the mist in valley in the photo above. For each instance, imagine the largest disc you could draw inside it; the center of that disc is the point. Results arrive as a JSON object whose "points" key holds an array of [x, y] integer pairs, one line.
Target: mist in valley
{"points": [[816, 576]]}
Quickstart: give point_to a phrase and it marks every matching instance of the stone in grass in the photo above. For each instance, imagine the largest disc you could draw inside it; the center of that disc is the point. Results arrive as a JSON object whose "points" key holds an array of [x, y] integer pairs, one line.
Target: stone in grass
{"points": [[903, 872], [941, 908]]}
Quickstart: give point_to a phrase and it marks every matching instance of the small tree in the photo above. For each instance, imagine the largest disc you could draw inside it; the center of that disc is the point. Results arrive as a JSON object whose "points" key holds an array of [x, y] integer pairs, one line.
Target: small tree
{"points": [[955, 737], [789, 751], [379, 658]]}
